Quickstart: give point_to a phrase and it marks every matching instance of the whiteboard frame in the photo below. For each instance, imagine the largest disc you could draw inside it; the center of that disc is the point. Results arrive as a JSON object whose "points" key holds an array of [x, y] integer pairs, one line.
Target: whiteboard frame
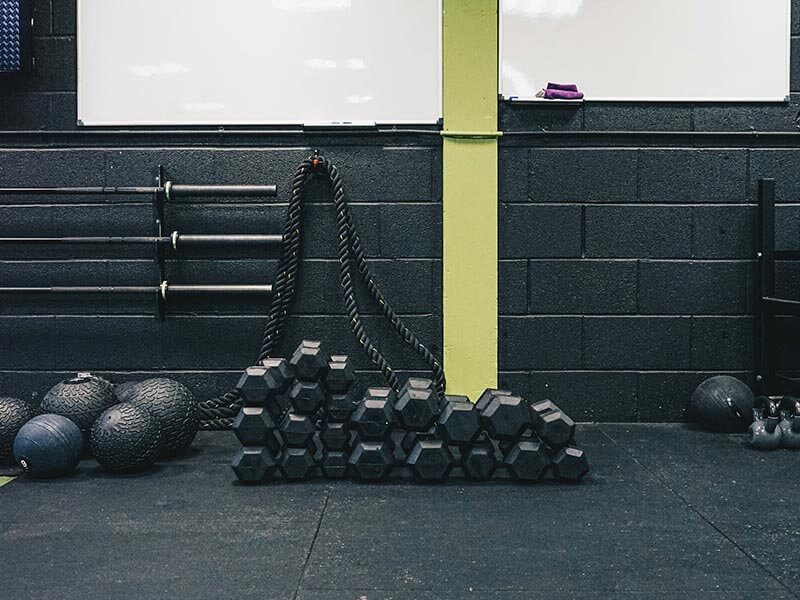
{"points": [[530, 99], [263, 122]]}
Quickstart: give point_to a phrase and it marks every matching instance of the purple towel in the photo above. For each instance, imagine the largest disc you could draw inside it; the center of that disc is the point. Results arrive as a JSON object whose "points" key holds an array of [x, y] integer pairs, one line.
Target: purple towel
{"points": [[565, 87], [551, 94]]}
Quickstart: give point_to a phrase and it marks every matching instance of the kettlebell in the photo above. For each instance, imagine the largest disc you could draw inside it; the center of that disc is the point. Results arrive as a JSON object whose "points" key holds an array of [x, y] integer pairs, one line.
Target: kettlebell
{"points": [[764, 432], [789, 426]]}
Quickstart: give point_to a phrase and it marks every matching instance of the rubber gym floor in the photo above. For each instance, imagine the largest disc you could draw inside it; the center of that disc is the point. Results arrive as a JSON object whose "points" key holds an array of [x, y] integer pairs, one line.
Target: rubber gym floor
{"points": [[666, 512]]}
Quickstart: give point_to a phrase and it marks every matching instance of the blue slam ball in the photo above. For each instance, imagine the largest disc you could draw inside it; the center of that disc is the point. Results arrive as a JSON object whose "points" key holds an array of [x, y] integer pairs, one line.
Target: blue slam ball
{"points": [[48, 446]]}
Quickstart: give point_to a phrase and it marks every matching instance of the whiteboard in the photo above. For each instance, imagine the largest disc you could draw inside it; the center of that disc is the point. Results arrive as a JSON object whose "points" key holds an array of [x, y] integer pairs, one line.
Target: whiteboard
{"points": [[648, 50], [250, 62]]}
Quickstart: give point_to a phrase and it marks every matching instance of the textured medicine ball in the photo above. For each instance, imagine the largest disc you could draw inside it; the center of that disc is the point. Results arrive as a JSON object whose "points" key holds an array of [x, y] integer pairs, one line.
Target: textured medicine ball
{"points": [[48, 446], [123, 391], [126, 438], [80, 399], [722, 403], [173, 405], [14, 413]]}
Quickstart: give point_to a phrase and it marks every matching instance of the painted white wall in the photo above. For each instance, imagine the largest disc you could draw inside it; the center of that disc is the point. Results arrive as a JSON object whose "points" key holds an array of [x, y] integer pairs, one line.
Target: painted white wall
{"points": [[715, 50], [240, 62]]}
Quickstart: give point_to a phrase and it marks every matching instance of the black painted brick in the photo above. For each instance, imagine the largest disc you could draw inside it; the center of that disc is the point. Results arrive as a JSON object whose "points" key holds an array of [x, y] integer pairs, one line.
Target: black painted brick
{"points": [[722, 343], [582, 175], [543, 342], [512, 287], [794, 61], [530, 231], [636, 343], [664, 396], [64, 17], [54, 68], [516, 382], [582, 287], [526, 117], [693, 175], [389, 174], [638, 231], [783, 166], [598, 396], [682, 288], [63, 111], [626, 116], [724, 232], [42, 17], [412, 231], [513, 174], [28, 111], [777, 116], [68, 167]]}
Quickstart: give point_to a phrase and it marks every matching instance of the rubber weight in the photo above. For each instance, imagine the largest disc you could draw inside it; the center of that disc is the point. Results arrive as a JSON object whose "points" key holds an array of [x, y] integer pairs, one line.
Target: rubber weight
{"points": [[459, 424], [14, 413], [570, 464], [506, 417], [48, 446], [253, 465], [309, 361], [430, 460], [173, 405], [126, 438], [81, 399]]}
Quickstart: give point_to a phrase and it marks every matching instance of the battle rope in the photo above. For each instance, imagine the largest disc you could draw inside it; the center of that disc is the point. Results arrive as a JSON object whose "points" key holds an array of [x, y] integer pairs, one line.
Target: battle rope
{"points": [[218, 413]]}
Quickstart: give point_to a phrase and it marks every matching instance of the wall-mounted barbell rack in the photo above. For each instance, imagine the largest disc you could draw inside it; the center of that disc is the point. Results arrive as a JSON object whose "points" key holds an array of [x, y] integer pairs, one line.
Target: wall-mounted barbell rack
{"points": [[163, 191]]}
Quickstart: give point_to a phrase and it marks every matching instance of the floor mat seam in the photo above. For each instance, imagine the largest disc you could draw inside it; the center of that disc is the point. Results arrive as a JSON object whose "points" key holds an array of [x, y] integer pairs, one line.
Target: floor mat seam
{"points": [[313, 543], [688, 505]]}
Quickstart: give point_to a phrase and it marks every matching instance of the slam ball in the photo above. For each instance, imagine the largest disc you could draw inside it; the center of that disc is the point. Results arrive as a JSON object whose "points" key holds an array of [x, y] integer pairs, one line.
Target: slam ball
{"points": [[126, 438], [722, 403], [14, 413], [48, 446], [173, 405], [80, 399]]}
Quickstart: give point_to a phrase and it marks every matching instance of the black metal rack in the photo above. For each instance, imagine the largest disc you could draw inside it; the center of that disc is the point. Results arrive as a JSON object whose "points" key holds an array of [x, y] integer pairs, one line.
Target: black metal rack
{"points": [[163, 191], [768, 306]]}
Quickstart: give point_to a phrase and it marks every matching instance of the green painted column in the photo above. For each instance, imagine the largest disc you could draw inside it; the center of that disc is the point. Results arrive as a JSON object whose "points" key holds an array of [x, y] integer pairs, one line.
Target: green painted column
{"points": [[470, 194]]}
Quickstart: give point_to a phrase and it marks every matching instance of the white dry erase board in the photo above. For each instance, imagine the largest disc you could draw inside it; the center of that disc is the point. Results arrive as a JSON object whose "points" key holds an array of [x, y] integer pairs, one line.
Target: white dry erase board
{"points": [[648, 50], [251, 62]]}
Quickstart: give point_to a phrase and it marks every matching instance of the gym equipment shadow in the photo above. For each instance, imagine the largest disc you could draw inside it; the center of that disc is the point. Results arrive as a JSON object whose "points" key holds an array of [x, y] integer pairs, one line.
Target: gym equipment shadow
{"points": [[665, 512]]}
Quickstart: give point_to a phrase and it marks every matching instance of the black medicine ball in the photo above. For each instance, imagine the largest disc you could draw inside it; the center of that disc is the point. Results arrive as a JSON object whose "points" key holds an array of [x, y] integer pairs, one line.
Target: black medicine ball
{"points": [[80, 399], [48, 446], [173, 405], [126, 438], [722, 403], [14, 413]]}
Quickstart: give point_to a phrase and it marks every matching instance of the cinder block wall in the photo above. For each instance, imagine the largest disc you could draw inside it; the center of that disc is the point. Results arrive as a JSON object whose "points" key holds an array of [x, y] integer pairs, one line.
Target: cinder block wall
{"points": [[394, 184], [626, 260]]}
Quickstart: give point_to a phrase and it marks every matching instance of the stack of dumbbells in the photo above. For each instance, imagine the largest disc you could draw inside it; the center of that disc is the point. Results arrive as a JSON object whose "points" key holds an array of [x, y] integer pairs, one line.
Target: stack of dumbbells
{"points": [[293, 407]]}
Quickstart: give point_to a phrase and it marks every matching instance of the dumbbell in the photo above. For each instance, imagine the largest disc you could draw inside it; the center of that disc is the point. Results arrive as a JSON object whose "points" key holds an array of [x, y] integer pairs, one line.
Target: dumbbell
{"points": [[459, 423], [417, 406], [266, 384], [763, 432], [527, 460], [430, 460], [335, 440], [297, 458], [488, 395], [254, 426], [554, 427], [253, 465], [504, 417], [373, 422], [478, 462], [570, 464], [309, 361], [789, 409]]}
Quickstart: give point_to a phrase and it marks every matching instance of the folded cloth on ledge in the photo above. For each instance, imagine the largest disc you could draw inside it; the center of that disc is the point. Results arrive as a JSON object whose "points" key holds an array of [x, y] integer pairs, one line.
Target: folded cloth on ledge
{"points": [[566, 87], [551, 94]]}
